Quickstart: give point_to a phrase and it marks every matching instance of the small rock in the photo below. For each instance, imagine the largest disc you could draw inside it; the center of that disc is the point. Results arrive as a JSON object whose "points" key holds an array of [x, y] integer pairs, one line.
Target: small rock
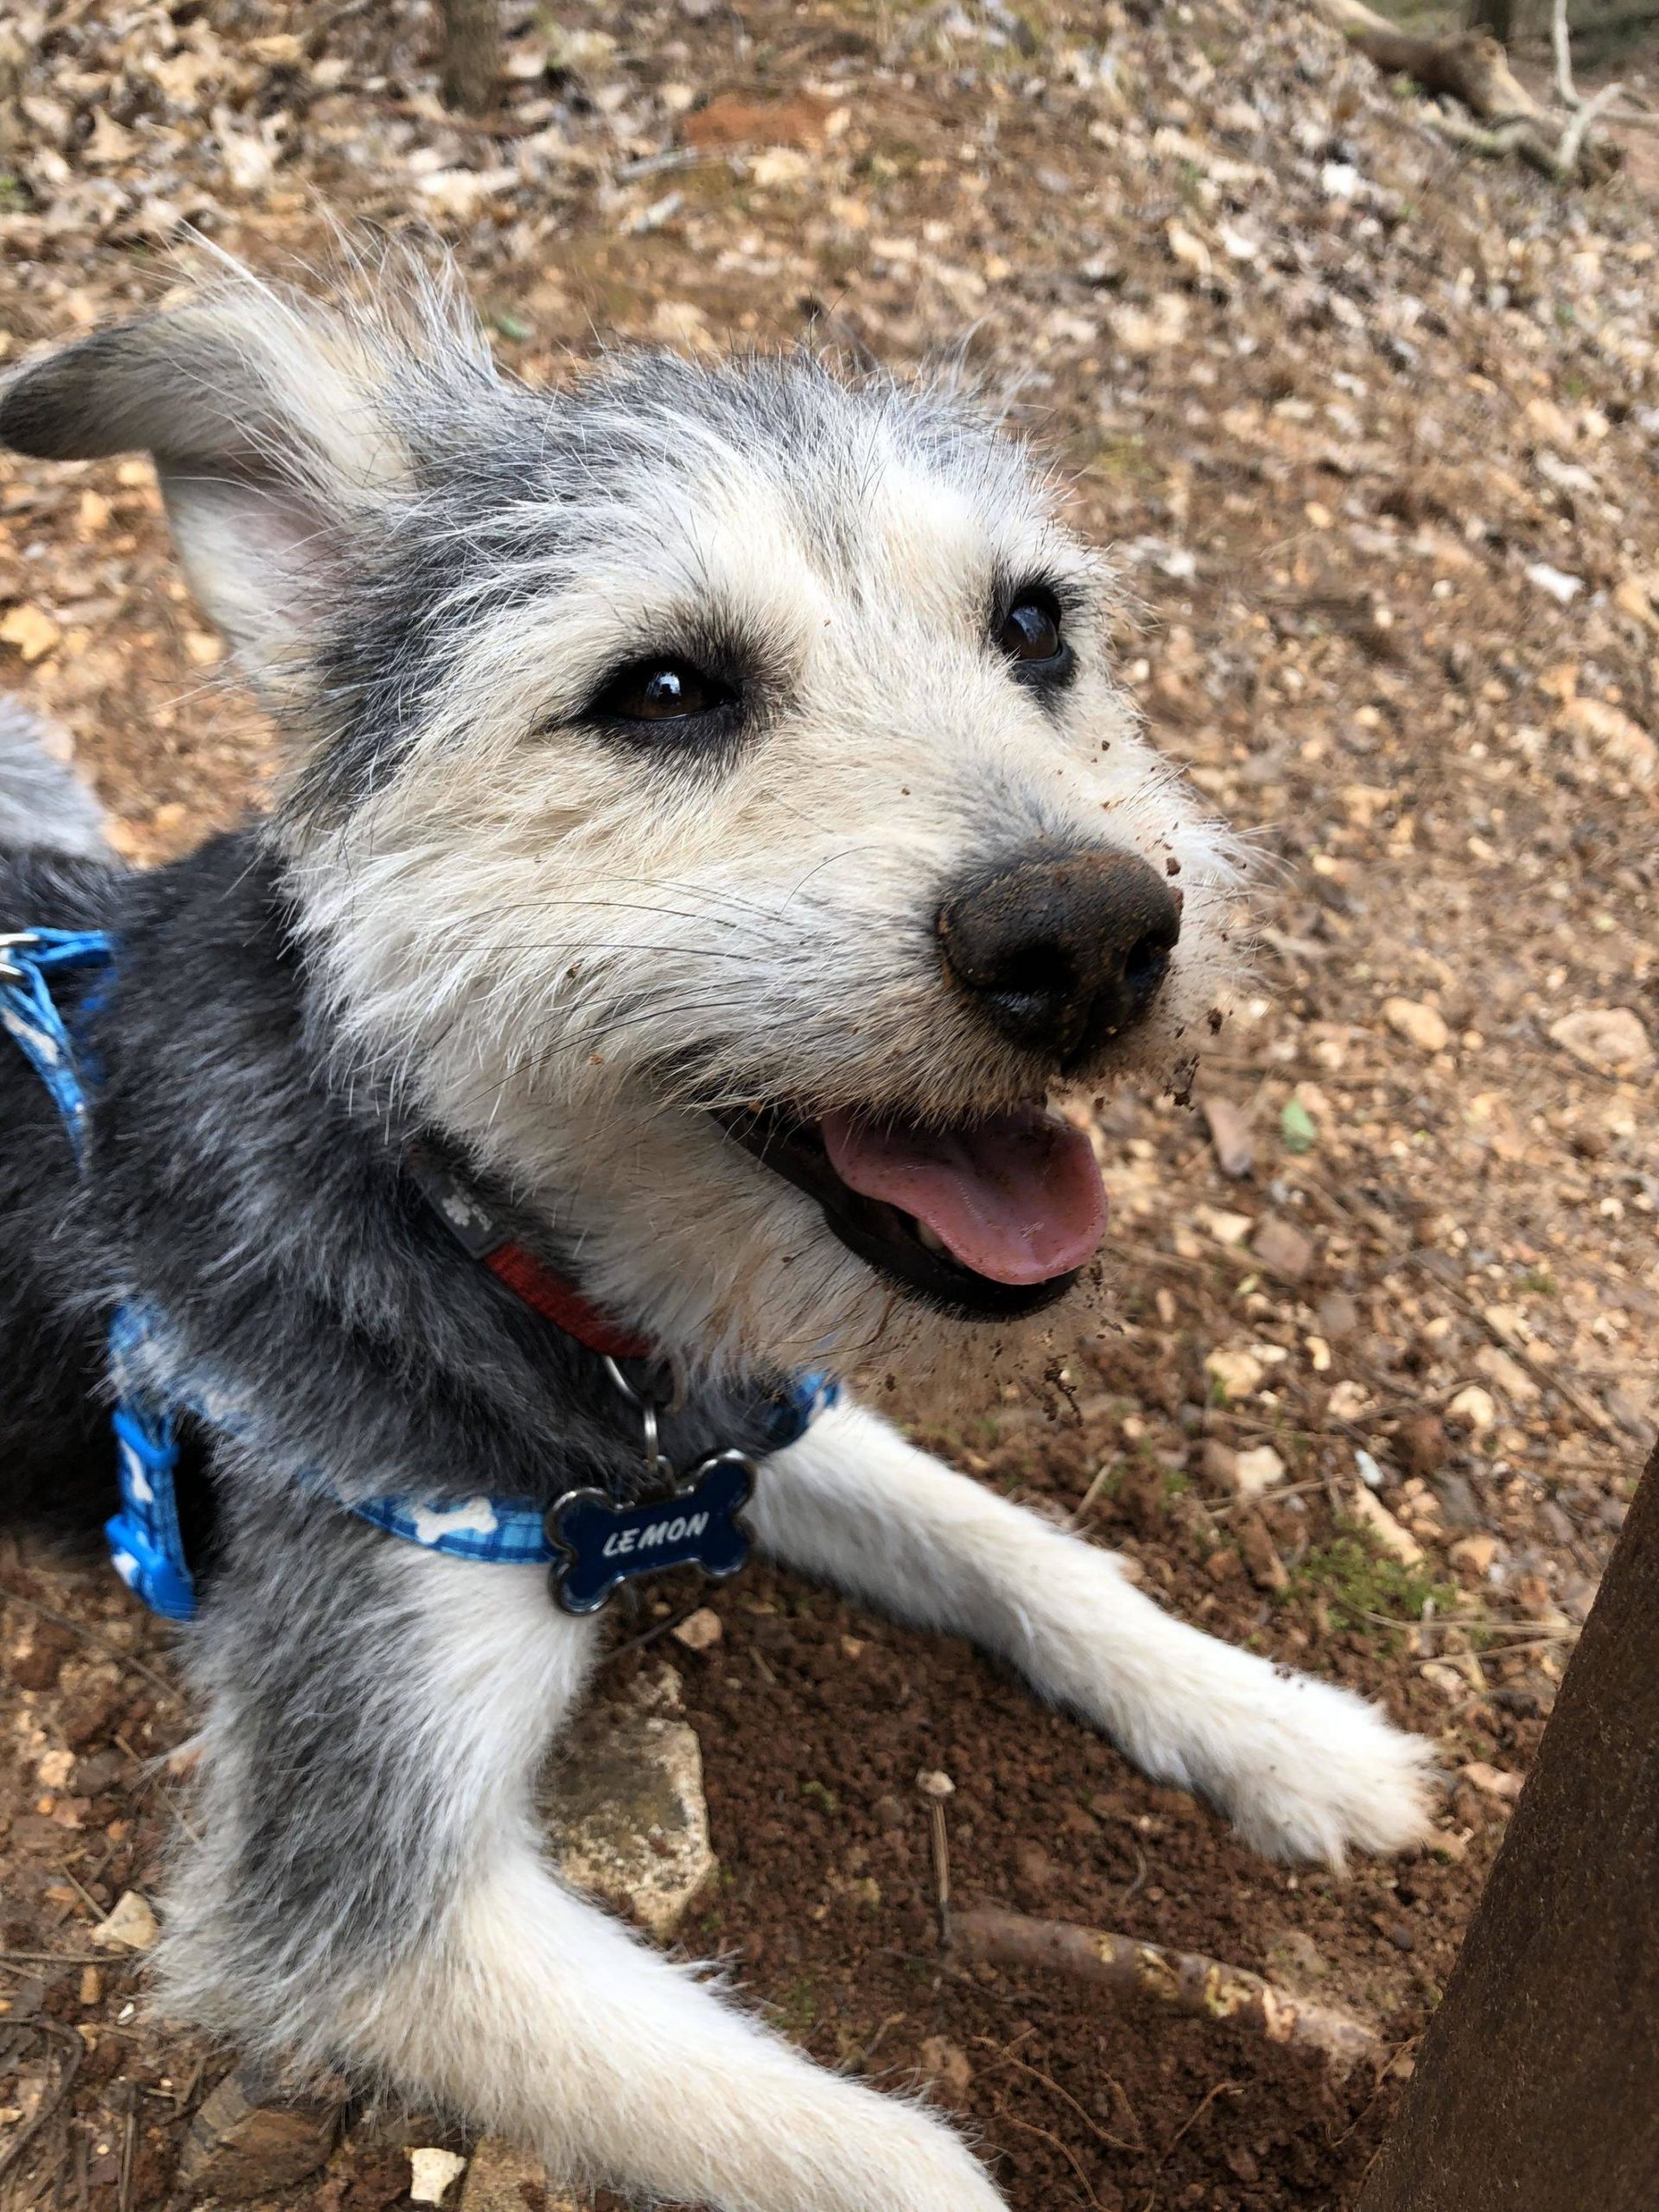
{"points": [[1511, 1378], [1218, 1466], [32, 630], [1228, 1229], [1033, 1868], [627, 1821], [128, 1926], [248, 2139], [1494, 1781], [430, 2174], [1223, 1565], [1458, 1500], [1260, 1555], [1338, 1316], [947, 2064], [1473, 1410], [1418, 1024], [1230, 1133], [1448, 1845], [933, 1783], [1610, 1040], [1374, 1516], [1420, 1445], [1258, 1469], [502, 2178], [1283, 1250], [1475, 1552], [1238, 1373], [1562, 588], [699, 1631]]}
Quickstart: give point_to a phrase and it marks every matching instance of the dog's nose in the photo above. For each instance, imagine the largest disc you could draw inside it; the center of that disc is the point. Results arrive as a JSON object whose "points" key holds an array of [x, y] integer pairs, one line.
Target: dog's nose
{"points": [[1061, 948]]}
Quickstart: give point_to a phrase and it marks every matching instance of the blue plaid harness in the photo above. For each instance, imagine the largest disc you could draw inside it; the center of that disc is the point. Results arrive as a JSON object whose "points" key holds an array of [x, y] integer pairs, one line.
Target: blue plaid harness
{"points": [[591, 1543]]}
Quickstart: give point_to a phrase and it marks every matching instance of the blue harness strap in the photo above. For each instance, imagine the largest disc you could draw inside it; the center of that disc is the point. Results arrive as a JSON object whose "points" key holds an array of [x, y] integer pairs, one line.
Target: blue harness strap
{"points": [[28, 959], [146, 1546]]}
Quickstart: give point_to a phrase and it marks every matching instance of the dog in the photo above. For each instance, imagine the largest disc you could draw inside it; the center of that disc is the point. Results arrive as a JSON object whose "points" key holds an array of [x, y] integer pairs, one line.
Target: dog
{"points": [[710, 830]]}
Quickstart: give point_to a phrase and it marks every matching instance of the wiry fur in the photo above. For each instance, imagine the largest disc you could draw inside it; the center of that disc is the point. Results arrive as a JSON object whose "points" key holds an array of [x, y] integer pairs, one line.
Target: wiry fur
{"points": [[556, 947]]}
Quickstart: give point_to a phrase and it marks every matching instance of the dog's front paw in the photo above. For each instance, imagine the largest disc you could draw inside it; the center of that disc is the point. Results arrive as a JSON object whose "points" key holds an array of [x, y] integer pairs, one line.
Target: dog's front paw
{"points": [[1316, 1772]]}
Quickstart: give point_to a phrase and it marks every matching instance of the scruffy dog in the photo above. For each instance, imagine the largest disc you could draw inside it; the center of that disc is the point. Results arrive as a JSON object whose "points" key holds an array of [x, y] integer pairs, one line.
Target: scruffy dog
{"points": [[711, 830]]}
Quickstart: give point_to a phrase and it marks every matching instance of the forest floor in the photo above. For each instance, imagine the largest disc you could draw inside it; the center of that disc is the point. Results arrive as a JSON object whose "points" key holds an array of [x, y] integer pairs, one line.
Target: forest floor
{"points": [[1369, 424]]}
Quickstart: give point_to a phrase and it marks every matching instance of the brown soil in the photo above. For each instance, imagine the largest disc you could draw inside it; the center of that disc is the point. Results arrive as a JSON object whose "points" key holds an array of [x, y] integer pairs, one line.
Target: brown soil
{"points": [[1370, 426]]}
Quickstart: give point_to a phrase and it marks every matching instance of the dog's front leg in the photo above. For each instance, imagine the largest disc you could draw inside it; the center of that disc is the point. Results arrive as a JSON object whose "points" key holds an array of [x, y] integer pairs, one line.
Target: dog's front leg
{"points": [[1304, 1768], [370, 1892]]}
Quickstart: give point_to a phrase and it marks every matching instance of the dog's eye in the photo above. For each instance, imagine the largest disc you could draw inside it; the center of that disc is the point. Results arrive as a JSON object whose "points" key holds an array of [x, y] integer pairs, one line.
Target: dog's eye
{"points": [[1030, 631], [662, 691]]}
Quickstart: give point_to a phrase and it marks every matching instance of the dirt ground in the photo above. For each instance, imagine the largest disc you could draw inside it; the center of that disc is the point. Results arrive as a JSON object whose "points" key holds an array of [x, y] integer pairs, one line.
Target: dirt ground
{"points": [[1370, 425]]}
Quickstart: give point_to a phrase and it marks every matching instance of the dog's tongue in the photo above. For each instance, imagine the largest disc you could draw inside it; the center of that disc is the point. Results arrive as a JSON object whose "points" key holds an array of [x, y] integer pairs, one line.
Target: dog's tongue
{"points": [[1018, 1199]]}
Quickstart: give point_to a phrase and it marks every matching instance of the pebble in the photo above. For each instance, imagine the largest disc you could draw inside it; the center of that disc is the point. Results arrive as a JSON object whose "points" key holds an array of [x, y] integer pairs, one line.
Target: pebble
{"points": [[1260, 1555], [1257, 1470], [500, 2178], [1473, 1410], [431, 2173], [1282, 1250], [1338, 1315], [1422, 1444], [948, 2064], [1476, 1553], [699, 1631], [1373, 1515], [130, 1925], [1610, 1040], [1494, 1781], [1418, 1024], [1239, 1373], [1230, 1133]]}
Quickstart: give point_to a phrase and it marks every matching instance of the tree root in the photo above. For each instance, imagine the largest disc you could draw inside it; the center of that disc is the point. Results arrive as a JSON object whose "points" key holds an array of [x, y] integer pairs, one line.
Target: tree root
{"points": [[1186, 1981], [1473, 68]]}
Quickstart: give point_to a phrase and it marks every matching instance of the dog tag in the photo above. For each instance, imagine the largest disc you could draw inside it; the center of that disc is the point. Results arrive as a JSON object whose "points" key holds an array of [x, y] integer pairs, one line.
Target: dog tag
{"points": [[604, 1543]]}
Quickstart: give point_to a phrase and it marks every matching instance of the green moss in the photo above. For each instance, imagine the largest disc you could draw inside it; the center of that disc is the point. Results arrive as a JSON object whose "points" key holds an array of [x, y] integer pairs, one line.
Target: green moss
{"points": [[819, 1793], [1366, 1588]]}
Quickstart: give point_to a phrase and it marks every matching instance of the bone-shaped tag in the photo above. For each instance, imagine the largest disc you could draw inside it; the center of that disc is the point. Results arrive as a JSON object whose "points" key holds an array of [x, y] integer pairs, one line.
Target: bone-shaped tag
{"points": [[604, 1543]]}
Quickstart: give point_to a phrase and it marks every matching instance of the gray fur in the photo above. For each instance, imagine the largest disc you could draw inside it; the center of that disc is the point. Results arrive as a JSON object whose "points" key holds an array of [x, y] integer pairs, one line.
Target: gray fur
{"points": [[42, 801]]}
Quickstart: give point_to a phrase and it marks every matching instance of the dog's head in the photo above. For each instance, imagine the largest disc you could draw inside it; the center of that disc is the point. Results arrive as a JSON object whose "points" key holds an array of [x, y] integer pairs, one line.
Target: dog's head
{"points": [[709, 796]]}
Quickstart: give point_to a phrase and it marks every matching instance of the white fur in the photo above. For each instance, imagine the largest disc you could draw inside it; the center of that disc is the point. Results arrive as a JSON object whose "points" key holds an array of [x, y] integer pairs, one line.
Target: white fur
{"points": [[537, 2014]]}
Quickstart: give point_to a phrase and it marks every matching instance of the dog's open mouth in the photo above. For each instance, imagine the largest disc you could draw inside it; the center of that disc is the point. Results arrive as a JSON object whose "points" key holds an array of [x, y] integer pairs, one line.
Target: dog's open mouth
{"points": [[991, 1219]]}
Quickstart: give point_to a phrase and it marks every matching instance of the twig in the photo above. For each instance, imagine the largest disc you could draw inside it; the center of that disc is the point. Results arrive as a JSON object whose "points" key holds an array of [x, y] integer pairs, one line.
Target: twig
{"points": [[54, 1958], [1140, 1881], [1184, 1981], [1006, 2055], [1561, 39], [1065, 2150], [1577, 132], [1221, 2090], [1103, 1476], [49, 2106]]}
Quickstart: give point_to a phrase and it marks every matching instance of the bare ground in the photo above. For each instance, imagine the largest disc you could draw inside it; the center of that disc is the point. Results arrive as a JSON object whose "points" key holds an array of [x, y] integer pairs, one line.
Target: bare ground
{"points": [[1370, 425]]}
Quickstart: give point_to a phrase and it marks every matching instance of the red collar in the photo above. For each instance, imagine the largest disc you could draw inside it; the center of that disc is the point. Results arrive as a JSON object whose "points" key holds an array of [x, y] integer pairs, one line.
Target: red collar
{"points": [[472, 1223], [562, 1304]]}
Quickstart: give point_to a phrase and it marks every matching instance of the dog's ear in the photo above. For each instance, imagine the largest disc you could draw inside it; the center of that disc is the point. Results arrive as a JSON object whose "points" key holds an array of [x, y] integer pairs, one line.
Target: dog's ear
{"points": [[267, 420]]}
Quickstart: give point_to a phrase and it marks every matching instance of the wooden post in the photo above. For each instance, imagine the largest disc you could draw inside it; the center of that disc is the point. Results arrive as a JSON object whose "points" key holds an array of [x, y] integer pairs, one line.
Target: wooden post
{"points": [[1537, 2088]]}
